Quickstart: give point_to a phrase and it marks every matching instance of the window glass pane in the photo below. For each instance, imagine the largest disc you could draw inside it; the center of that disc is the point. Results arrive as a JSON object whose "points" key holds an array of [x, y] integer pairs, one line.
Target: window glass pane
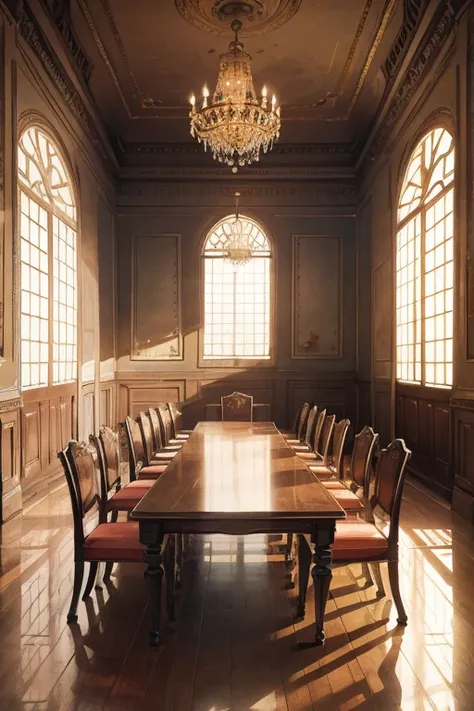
{"points": [[426, 223], [64, 303], [236, 300], [34, 272]]}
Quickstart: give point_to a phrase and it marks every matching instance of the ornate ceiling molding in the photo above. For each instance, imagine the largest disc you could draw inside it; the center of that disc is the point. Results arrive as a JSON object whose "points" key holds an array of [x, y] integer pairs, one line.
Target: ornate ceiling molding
{"points": [[413, 11], [257, 17], [430, 48], [60, 12], [296, 149], [280, 173], [32, 33]]}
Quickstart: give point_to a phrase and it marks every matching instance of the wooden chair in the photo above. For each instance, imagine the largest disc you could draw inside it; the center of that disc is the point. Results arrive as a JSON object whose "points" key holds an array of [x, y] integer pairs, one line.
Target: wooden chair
{"points": [[307, 445], [177, 431], [299, 423], [352, 491], [167, 440], [237, 407], [367, 541], [116, 542], [115, 496], [321, 453], [333, 467], [140, 468], [164, 454]]}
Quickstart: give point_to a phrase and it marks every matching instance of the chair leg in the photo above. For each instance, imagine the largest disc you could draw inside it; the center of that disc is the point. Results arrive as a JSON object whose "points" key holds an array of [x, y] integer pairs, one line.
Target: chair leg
{"points": [[179, 558], [108, 571], [169, 564], [395, 587], [304, 564], [114, 517], [289, 545], [90, 580], [378, 579], [367, 575], [78, 577]]}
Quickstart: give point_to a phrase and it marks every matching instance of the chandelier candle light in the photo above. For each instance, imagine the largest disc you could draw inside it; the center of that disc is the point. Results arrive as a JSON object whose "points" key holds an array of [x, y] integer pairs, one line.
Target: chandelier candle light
{"points": [[236, 125], [238, 251]]}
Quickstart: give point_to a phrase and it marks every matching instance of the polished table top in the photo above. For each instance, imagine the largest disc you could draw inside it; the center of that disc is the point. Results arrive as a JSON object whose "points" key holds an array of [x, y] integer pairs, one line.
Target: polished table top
{"points": [[240, 470]]}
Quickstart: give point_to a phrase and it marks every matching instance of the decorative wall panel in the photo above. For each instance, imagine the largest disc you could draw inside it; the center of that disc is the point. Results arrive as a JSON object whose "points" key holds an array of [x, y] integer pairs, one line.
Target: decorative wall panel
{"points": [[317, 296], [156, 302], [143, 394], [383, 317], [10, 464], [423, 419]]}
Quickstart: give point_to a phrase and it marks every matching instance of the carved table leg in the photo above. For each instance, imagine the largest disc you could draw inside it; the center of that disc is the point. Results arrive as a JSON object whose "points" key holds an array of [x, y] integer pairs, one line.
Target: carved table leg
{"points": [[179, 558], [303, 565], [321, 573], [153, 559], [169, 562]]}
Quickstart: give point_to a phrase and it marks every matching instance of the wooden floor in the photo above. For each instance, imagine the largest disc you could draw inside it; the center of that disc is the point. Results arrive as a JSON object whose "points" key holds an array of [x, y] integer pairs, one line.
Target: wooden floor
{"points": [[234, 645]]}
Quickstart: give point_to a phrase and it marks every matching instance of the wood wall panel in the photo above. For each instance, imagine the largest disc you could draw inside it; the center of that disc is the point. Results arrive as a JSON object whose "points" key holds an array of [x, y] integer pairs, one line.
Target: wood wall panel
{"points": [[156, 301], [317, 296], [107, 404], [47, 425], [423, 419], [382, 325], [135, 396], [10, 464]]}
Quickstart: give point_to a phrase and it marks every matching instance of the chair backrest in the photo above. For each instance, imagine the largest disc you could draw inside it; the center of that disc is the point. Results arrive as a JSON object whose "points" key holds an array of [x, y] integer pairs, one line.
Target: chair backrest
{"points": [[135, 445], [297, 419], [311, 424], [389, 479], [325, 438], [165, 421], [156, 429], [237, 407], [304, 414], [107, 446], [361, 460], [147, 434], [338, 441], [176, 418], [80, 469], [317, 431]]}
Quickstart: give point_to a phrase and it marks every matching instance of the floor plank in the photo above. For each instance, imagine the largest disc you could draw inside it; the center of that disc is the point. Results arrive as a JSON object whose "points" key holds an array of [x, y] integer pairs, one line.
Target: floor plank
{"points": [[235, 644]]}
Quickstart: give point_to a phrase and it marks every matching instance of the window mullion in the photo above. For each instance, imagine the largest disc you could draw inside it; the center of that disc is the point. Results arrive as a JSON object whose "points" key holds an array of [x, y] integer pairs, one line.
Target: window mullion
{"points": [[422, 292], [50, 298]]}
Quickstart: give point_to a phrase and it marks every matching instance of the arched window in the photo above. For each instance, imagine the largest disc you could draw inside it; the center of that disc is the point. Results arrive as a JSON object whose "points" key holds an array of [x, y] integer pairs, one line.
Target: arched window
{"points": [[236, 299], [47, 234], [425, 263]]}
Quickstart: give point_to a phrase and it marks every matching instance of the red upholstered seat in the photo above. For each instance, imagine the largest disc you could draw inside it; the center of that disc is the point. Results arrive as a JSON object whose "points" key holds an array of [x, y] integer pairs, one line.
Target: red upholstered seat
{"points": [[292, 442], [307, 456], [299, 448], [182, 435], [163, 456], [347, 499], [115, 542], [127, 498], [333, 484], [152, 472], [358, 541]]}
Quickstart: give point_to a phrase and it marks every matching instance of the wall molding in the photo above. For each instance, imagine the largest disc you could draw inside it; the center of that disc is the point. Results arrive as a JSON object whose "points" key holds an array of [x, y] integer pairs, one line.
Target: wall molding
{"points": [[10, 405], [33, 35]]}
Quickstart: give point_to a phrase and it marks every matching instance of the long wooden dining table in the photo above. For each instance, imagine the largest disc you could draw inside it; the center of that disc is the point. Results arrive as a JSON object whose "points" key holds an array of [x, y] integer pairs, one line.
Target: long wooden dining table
{"points": [[237, 478]]}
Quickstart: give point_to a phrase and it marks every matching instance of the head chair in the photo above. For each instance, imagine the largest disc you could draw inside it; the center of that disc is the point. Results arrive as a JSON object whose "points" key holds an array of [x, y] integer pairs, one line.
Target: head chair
{"points": [[237, 407], [363, 452]]}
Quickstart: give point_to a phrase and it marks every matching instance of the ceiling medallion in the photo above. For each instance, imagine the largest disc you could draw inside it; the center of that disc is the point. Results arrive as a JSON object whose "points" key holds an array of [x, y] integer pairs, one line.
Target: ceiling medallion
{"points": [[236, 126], [257, 16]]}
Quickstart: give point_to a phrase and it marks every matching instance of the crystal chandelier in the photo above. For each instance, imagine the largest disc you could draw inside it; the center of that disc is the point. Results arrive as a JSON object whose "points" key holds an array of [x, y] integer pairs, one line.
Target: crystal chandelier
{"points": [[238, 251], [236, 125]]}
